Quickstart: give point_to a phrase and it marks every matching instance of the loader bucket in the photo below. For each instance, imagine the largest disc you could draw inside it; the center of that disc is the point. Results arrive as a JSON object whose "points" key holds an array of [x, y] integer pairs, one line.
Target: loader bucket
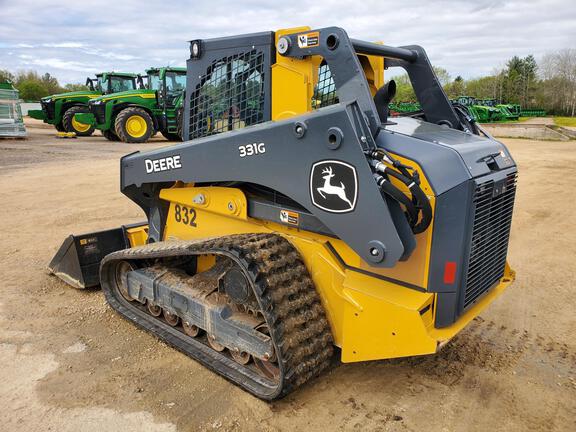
{"points": [[77, 262]]}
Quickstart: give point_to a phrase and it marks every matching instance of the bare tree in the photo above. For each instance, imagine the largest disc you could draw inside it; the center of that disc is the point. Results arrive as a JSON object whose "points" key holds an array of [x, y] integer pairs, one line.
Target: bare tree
{"points": [[559, 73]]}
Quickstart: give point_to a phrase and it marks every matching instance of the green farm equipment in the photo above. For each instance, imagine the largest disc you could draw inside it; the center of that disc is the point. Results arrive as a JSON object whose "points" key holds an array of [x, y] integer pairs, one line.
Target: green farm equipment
{"points": [[508, 112], [534, 112], [60, 109], [404, 107], [134, 116]]}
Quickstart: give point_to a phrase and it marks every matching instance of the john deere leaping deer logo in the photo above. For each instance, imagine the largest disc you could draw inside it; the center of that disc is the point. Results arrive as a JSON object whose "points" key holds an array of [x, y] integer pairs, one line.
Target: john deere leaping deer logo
{"points": [[333, 186]]}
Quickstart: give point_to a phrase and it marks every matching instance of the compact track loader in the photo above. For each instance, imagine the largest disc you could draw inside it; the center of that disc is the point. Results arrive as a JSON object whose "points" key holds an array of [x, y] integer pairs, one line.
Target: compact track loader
{"points": [[297, 217]]}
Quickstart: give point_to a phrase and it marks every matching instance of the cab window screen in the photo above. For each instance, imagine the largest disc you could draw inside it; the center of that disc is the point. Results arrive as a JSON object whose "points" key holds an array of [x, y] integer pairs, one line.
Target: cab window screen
{"points": [[230, 95]]}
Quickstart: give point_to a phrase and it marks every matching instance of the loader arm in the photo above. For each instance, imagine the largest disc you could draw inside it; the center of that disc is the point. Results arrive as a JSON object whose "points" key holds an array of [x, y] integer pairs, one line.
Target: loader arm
{"points": [[336, 133]]}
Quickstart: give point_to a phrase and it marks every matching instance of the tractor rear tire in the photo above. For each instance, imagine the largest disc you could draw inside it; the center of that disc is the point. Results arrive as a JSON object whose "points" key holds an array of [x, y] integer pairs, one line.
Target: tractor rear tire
{"points": [[71, 125], [110, 135], [171, 136], [134, 125]]}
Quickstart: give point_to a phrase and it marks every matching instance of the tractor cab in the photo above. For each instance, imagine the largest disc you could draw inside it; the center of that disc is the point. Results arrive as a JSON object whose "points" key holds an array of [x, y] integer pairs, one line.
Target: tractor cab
{"points": [[169, 83], [112, 82]]}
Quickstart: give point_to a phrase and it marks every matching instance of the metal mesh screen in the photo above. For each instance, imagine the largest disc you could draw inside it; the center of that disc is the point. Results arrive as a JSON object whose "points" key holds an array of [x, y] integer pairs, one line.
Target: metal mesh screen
{"points": [[230, 95], [490, 235], [325, 91]]}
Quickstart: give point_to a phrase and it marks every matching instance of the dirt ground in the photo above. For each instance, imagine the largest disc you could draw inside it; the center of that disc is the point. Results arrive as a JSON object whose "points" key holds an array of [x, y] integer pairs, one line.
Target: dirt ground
{"points": [[69, 363]]}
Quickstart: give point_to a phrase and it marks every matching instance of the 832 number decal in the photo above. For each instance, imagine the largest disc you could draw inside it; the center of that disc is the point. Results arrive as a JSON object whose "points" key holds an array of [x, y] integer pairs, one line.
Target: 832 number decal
{"points": [[185, 215]]}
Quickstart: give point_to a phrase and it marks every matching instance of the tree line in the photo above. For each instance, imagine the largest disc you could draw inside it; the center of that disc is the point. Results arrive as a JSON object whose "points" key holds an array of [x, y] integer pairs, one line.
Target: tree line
{"points": [[33, 86], [549, 84]]}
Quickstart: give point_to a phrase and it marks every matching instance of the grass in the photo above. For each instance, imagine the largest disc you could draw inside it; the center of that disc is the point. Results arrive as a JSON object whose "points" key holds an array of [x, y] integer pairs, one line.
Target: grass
{"points": [[523, 119], [565, 121]]}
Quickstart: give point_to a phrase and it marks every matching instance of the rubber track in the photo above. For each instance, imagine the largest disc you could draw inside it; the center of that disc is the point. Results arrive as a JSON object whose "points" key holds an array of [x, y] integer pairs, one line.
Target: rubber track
{"points": [[286, 294]]}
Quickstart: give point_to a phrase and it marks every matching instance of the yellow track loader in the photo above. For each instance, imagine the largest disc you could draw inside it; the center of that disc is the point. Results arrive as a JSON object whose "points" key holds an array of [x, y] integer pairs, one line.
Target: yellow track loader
{"points": [[298, 216]]}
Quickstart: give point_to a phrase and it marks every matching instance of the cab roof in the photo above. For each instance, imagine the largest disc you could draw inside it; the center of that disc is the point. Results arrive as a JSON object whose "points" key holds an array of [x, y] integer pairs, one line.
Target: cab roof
{"points": [[123, 74], [168, 69]]}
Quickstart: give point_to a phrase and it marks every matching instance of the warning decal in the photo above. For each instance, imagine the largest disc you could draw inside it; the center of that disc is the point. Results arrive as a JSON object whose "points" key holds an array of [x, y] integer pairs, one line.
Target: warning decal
{"points": [[289, 217], [308, 40]]}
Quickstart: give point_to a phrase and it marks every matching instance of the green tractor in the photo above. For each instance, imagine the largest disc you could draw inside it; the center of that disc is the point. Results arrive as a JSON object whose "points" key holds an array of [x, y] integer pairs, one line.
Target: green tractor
{"points": [[135, 116], [60, 109]]}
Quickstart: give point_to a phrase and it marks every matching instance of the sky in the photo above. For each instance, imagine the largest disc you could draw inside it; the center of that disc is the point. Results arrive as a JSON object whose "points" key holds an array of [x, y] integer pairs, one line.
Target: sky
{"points": [[74, 39]]}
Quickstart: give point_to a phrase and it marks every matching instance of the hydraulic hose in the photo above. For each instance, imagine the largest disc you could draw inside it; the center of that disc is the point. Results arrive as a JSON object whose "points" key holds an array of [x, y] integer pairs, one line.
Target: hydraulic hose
{"points": [[421, 200], [396, 194]]}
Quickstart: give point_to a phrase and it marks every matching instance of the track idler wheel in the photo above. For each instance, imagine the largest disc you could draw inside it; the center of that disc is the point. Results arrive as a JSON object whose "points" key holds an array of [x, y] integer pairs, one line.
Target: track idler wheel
{"points": [[171, 319], [240, 357], [215, 345], [122, 270], [190, 329], [154, 309]]}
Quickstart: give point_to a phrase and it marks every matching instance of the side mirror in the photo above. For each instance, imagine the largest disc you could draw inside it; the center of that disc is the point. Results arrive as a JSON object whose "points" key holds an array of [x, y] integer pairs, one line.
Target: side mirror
{"points": [[140, 82], [90, 83]]}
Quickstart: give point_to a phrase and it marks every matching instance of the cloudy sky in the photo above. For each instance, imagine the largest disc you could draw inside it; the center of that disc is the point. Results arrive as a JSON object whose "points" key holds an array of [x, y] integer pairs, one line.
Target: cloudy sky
{"points": [[71, 38]]}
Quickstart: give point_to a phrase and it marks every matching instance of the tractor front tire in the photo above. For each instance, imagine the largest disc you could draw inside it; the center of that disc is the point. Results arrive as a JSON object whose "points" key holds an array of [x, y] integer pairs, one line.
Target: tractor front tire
{"points": [[71, 125], [110, 135], [134, 125]]}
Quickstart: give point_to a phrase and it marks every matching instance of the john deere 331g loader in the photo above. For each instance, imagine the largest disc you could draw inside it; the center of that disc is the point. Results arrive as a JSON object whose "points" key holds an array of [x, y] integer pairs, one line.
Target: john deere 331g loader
{"points": [[297, 217]]}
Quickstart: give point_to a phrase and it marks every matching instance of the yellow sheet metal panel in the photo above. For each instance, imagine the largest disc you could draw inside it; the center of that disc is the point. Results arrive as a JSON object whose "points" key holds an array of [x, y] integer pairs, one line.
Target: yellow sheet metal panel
{"points": [[371, 318], [292, 82], [137, 236]]}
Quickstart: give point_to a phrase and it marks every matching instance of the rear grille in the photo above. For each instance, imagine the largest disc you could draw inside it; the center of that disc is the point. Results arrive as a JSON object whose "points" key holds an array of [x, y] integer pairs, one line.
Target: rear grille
{"points": [[493, 202]]}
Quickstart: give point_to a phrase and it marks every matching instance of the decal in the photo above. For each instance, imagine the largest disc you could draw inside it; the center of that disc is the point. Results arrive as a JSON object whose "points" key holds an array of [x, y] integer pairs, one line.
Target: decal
{"points": [[334, 186], [289, 217], [308, 40], [252, 149], [185, 215], [163, 164]]}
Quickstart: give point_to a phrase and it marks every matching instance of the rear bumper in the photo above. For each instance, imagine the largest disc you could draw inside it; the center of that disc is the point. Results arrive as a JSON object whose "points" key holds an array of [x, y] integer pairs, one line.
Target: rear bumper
{"points": [[382, 322]]}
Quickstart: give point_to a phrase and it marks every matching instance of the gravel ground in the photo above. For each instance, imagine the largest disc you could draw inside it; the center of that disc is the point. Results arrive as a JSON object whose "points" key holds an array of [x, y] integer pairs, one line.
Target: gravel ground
{"points": [[69, 363]]}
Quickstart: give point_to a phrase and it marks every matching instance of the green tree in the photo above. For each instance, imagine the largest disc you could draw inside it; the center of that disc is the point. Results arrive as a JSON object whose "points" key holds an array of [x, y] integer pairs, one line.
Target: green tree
{"points": [[520, 80], [51, 84], [455, 88], [32, 90], [75, 87], [6, 76], [404, 90]]}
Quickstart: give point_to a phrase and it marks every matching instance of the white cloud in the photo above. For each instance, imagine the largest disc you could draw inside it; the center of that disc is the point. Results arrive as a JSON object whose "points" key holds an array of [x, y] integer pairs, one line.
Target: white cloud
{"points": [[467, 38], [63, 45]]}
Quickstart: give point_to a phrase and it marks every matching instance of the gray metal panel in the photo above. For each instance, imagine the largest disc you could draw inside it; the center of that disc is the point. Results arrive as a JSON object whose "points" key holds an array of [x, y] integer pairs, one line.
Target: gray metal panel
{"points": [[249, 39], [285, 167], [448, 156]]}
